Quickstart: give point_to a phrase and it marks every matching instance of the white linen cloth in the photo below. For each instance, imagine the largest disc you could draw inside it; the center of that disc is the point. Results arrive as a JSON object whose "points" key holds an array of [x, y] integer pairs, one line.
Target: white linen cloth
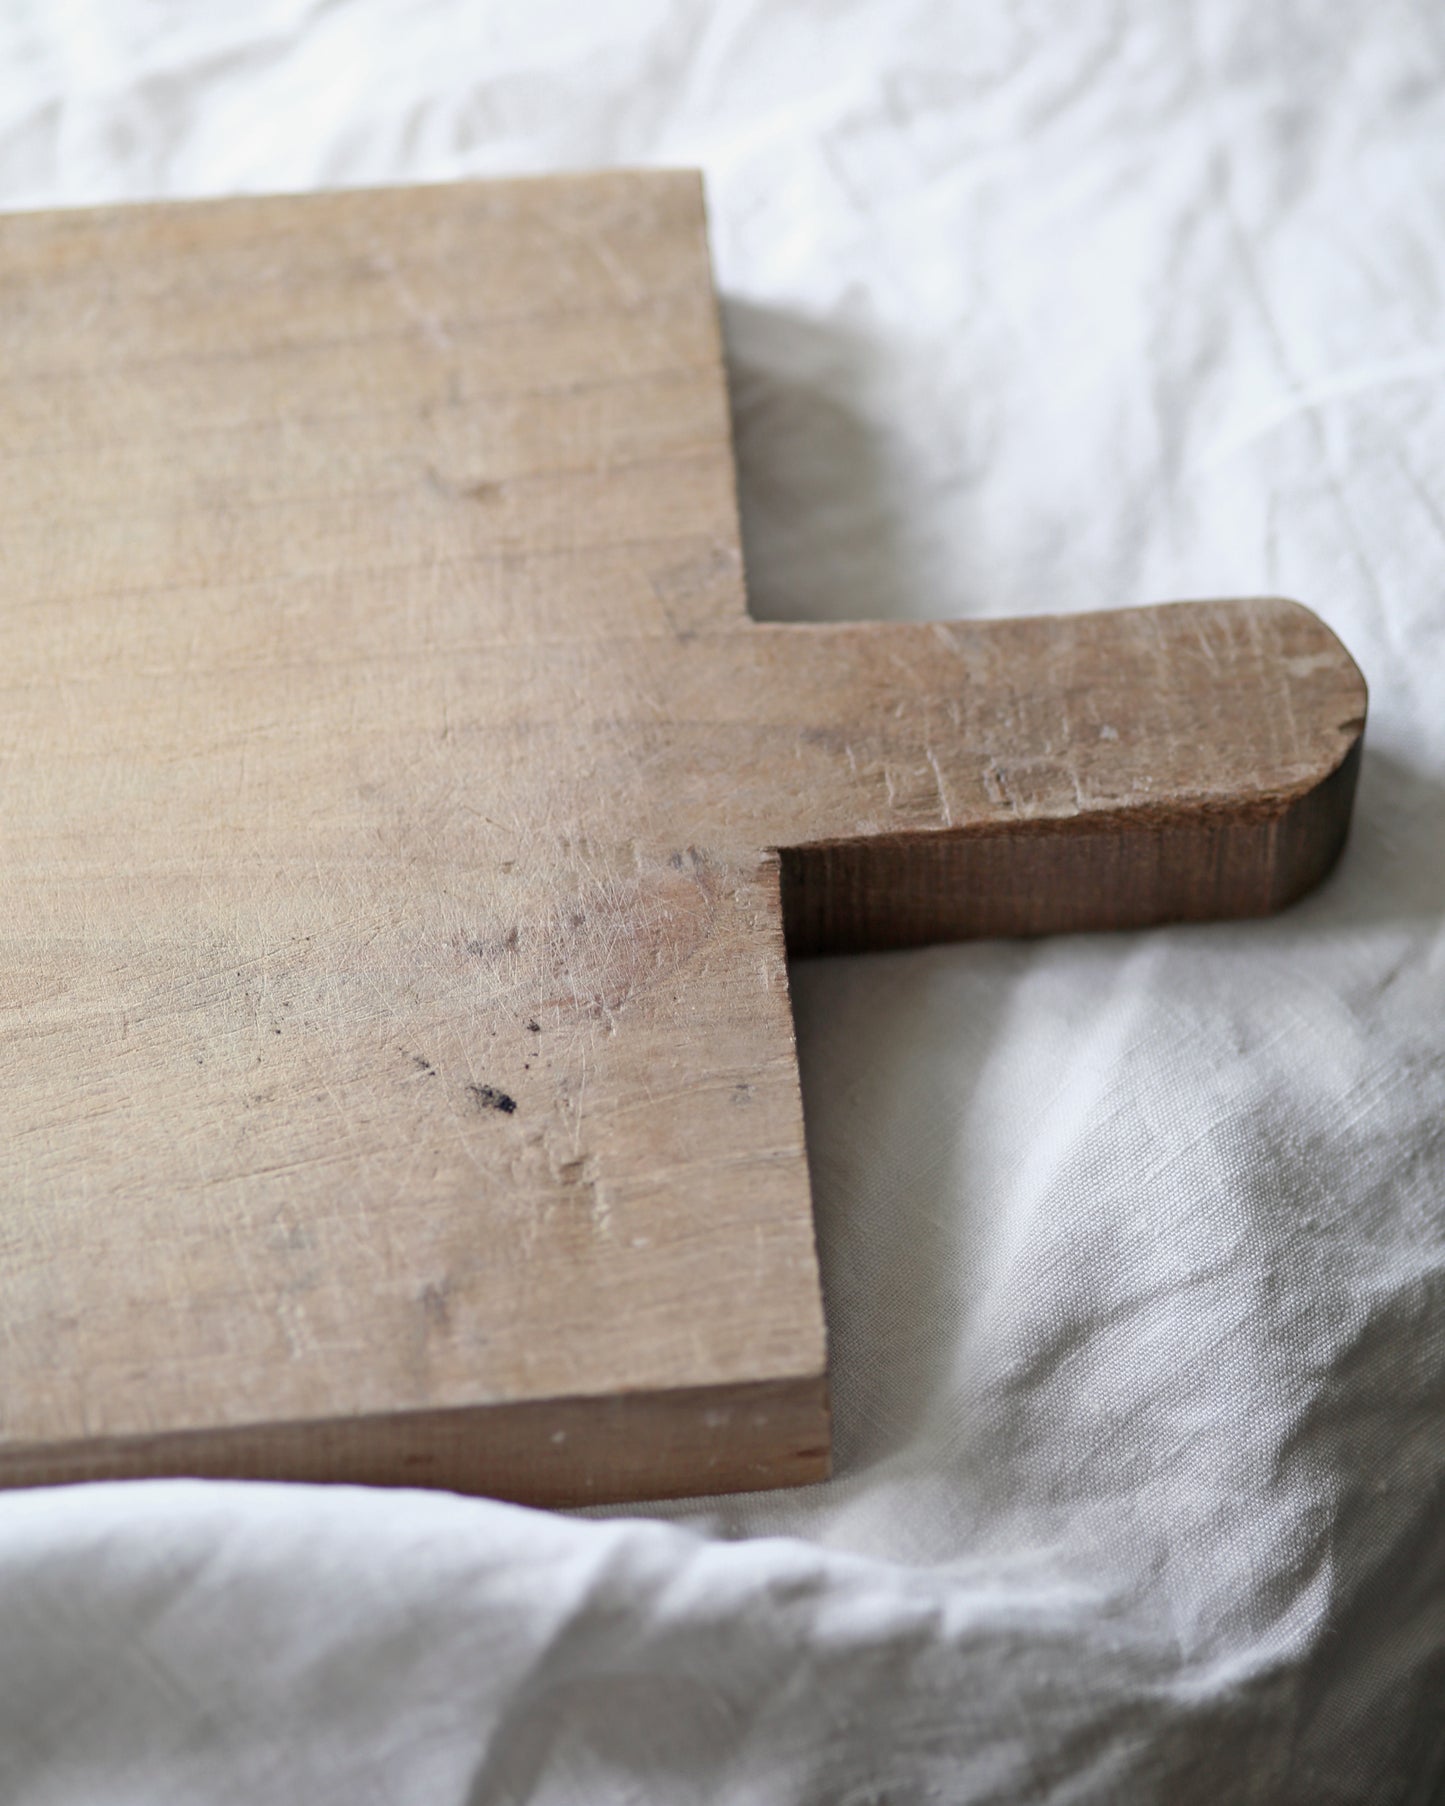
{"points": [[1133, 1245]]}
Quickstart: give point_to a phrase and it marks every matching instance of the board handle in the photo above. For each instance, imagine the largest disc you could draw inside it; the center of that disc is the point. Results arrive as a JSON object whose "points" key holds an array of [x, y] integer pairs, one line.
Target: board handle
{"points": [[1184, 762]]}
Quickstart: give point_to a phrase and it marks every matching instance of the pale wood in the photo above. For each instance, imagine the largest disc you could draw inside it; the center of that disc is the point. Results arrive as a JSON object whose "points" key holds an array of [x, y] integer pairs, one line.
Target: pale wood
{"points": [[399, 1080]]}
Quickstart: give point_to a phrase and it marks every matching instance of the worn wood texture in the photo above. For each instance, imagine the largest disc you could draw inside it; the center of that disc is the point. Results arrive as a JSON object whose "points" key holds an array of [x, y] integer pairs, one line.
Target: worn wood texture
{"points": [[400, 820]]}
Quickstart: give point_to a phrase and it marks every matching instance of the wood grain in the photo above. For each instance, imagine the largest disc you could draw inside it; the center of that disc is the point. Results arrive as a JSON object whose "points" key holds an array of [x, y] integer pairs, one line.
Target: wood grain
{"points": [[401, 819]]}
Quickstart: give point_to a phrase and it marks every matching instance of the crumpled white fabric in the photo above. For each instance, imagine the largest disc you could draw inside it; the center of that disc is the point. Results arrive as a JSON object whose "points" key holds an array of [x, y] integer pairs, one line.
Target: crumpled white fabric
{"points": [[1133, 1245]]}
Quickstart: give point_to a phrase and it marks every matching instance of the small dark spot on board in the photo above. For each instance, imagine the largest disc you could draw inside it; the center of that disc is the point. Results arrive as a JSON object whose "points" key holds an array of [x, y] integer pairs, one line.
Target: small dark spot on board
{"points": [[508, 943], [577, 918], [675, 861], [483, 492], [434, 1304], [534, 1027], [742, 1094], [423, 1065], [489, 1098]]}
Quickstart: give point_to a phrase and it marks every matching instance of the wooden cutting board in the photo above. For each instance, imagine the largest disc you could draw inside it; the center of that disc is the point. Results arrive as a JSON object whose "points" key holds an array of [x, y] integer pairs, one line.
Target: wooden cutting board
{"points": [[403, 820]]}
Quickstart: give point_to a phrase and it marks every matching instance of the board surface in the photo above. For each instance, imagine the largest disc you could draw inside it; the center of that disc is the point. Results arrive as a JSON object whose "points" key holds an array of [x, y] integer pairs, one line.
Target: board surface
{"points": [[401, 822]]}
